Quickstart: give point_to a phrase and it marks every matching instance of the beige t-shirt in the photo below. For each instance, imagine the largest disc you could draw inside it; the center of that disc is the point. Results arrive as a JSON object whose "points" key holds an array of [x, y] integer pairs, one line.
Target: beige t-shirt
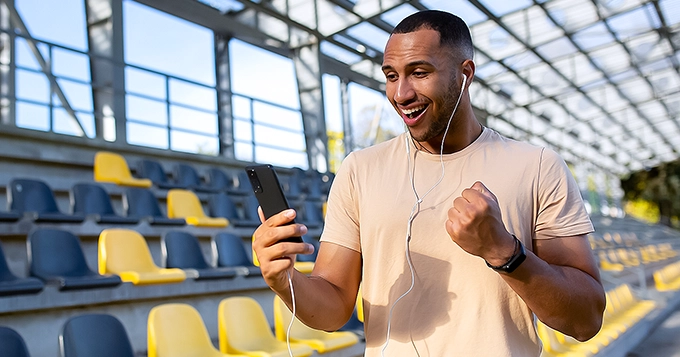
{"points": [[458, 306]]}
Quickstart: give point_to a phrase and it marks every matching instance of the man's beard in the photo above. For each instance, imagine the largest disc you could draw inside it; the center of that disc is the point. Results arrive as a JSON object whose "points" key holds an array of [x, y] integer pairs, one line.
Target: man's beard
{"points": [[439, 123]]}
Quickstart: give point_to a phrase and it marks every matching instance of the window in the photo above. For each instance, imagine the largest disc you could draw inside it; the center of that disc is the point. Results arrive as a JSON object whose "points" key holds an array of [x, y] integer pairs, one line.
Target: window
{"points": [[171, 101], [267, 122]]}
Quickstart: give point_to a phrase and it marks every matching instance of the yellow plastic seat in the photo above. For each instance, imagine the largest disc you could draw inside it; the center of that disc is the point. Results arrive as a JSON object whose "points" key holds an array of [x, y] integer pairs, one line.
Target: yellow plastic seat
{"points": [[243, 329], [185, 204], [553, 347], [177, 330], [125, 253], [321, 341], [668, 277], [304, 267], [111, 167], [606, 264]]}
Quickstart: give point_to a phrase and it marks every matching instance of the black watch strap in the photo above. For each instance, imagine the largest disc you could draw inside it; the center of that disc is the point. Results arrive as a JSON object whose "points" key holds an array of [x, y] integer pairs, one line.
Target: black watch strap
{"points": [[515, 260]]}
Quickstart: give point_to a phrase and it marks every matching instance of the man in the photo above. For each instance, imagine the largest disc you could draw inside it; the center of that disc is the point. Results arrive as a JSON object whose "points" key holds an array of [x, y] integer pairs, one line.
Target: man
{"points": [[427, 222]]}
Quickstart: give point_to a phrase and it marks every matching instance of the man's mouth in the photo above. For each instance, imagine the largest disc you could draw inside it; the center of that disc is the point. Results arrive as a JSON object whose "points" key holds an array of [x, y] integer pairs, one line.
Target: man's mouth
{"points": [[411, 115]]}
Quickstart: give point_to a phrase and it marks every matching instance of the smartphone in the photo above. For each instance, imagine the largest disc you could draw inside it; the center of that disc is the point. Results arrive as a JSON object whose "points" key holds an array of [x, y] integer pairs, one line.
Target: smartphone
{"points": [[268, 192]]}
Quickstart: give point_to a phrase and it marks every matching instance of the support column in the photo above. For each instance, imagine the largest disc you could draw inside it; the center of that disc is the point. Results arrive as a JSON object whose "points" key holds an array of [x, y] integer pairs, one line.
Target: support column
{"points": [[224, 117], [308, 73], [7, 66], [105, 40]]}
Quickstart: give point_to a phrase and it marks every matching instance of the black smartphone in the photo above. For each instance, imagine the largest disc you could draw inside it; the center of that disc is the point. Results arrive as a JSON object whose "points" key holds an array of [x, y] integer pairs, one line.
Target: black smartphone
{"points": [[269, 193]]}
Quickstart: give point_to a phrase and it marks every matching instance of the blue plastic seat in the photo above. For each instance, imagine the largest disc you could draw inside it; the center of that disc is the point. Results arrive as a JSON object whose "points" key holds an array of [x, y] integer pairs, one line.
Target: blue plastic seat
{"points": [[182, 250], [92, 199], [221, 205], [10, 284], [231, 253], [312, 216], [219, 181], [36, 198], [98, 335], [241, 186], [9, 216], [188, 177], [57, 256], [12, 344], [153, 171], [141, 203]]}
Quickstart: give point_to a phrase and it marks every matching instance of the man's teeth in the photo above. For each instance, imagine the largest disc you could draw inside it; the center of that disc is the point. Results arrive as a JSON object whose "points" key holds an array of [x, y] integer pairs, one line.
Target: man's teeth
{"points": [[413, 110]]}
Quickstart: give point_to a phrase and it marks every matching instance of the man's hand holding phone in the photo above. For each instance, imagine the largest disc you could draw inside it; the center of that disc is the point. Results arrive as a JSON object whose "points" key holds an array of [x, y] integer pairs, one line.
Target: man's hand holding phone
{"points": [[277, 257]]}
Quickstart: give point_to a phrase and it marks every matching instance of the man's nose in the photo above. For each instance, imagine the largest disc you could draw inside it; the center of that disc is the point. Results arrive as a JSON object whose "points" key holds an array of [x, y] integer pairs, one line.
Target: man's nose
{"points": [[404, 91]]}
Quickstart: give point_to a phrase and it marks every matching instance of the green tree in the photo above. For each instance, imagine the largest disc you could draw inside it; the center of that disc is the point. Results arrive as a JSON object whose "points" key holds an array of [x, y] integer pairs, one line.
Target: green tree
{"points": [[659, 185]]}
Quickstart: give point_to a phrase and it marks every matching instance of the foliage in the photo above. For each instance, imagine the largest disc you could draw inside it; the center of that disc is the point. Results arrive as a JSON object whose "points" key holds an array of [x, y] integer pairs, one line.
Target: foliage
{"points": [[659, 185]]}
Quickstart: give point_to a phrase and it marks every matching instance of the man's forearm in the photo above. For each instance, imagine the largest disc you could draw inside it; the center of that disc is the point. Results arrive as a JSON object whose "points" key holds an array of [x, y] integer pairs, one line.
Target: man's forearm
{"points": [[319, 304], [564, 298]]}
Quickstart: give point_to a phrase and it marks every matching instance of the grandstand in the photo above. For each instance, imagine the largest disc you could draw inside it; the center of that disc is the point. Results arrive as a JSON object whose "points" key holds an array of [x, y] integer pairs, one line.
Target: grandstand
{"points": [[125, 125]]}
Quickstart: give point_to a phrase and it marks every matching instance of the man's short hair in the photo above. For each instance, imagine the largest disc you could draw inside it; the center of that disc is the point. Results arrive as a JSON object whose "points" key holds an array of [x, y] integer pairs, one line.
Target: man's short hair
{"points": [[453, 32]]}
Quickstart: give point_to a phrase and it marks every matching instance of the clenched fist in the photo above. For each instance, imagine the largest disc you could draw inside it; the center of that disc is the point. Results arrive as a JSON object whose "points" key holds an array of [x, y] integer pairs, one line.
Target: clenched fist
{"points": [[474, 223]]}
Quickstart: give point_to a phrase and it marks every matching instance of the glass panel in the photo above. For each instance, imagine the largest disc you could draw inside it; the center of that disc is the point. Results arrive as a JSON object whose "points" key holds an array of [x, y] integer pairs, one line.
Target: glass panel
{"points": [[79, 95], [468, 12], [394, 16], [145, 83], [262, 74], [32, 116], [65, 124], [243, 151], [32, 86], [168, 34], [268, 136], [500, 8], [637, 90], [193, 120], [495, 41], [193, 95], [593, 37], [281, 158], [243, 130], [339, 53], [556, 49], [370, 35], [146, 110], [634, 22], [240, 107], [671, 11], [146, 135], [277, 116], [193, 143], [572, 15], [334, 18], [43, 17], [25, 57], [70, 64]]}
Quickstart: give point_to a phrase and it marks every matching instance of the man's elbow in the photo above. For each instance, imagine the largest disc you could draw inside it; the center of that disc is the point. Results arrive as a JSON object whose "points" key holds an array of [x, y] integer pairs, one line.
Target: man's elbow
{"points": [[592, 323]]}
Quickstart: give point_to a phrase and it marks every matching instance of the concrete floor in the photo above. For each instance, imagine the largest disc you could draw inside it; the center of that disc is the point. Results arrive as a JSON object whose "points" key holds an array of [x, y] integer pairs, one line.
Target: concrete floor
{"points": [[663, 342]]}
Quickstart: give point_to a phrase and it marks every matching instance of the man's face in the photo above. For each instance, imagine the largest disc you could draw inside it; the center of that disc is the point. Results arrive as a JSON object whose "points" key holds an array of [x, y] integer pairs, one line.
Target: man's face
{"points": [[421, 82]]}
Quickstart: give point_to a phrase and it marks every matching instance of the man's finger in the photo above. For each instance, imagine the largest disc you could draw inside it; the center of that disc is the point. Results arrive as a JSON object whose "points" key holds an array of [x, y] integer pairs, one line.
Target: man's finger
{"points": [[280, 218], [481, 188]]}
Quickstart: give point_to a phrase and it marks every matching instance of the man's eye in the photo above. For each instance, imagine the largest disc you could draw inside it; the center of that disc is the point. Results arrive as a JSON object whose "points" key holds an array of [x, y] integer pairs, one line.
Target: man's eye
{"points": [[391, 77], [420, 74]]}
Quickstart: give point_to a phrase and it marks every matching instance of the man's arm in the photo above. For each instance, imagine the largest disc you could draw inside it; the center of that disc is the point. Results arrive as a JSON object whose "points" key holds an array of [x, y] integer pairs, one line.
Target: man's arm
{"points": [[325, 299], [560, 283]]}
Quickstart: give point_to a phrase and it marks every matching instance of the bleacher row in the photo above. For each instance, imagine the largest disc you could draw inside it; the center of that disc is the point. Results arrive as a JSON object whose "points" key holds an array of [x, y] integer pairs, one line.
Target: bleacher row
{"points": [[125, 264], [55, 257]]}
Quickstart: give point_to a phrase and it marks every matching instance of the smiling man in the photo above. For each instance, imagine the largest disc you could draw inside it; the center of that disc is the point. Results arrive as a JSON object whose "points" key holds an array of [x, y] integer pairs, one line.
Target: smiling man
{"points": [[459, 236]]}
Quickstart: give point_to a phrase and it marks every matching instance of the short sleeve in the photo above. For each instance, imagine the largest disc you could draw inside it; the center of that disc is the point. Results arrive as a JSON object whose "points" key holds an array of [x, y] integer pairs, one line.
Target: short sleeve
{"points": [[561, 212], [341, 224]]}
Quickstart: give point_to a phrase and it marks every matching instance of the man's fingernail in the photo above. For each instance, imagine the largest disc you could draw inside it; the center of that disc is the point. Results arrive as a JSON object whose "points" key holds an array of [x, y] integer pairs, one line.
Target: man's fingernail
{"points": [[303, 230], [310, 248], [289, 213]]}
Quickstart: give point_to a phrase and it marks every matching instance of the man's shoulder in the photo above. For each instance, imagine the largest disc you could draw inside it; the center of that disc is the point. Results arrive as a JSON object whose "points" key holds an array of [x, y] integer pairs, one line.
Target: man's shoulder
{"points": [[384, 149], [511, 146]]}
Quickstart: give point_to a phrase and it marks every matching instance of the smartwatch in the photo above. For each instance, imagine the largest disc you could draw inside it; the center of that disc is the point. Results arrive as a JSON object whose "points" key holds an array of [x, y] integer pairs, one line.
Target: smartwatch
{"points": [[515, 260]]}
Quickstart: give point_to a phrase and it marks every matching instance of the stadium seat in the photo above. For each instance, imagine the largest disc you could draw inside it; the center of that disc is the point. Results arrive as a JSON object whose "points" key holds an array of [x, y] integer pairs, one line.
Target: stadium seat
{"points": [[230, 253], [9, 216], [221, 205], [243, 329], [12, 344], [98, 335], [668, 277], [10, 284], [125, 253], [111, 167], [312, 215], [182, 250], [242, 187], [92, 199], [185, 204], [57, 256], [250, 205], [321, 341], [177, 330], [141, 203], [153, 171], [36, 198], [313, 186], [188, 178]]}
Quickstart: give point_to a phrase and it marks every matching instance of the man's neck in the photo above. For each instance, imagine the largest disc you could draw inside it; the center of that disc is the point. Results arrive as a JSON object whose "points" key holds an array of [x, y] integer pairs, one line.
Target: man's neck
{"points": [[457, 139]]}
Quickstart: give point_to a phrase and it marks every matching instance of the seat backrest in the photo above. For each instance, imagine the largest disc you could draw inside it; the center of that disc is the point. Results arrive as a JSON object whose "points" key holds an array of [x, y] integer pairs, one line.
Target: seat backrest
{"points": [[32, 196], [141, 202], [5, 273], [11, 343], [184, 203], [53, 252], [110, 167], [98, 335], [176, 330], [124, 250], [230, 250], [90, 198], [250, 205], [313, 213], [182, 250], [152, 170], [219, 180], [242, 323], [187, 176], [244, 185], [221, 205]]}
